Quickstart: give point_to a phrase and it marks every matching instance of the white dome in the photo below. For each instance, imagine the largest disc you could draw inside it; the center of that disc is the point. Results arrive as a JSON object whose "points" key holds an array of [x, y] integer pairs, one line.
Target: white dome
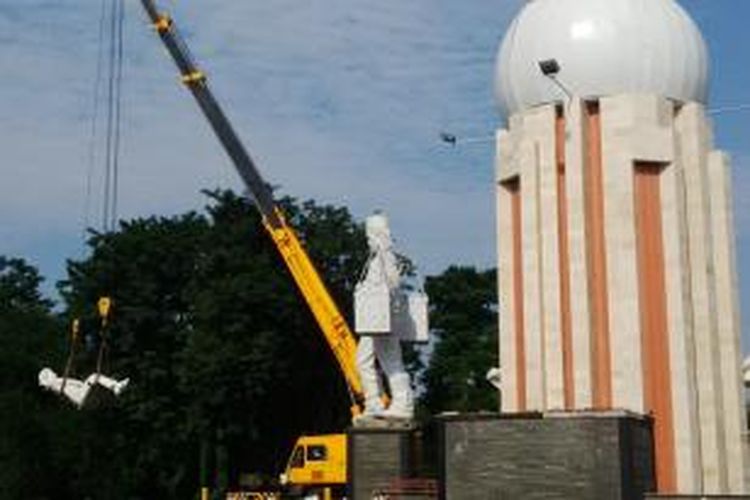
{"points": [[604, 47]]}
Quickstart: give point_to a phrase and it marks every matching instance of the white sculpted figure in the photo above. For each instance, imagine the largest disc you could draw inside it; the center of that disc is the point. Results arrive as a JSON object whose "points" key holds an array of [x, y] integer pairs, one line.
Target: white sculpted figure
{"points": [[77, 390], [386, 313]]}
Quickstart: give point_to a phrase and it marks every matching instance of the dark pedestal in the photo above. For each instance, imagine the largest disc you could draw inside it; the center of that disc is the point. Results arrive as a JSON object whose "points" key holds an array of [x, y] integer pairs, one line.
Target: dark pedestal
{"points": [[576, 456], [697, 497], [377, 459]]}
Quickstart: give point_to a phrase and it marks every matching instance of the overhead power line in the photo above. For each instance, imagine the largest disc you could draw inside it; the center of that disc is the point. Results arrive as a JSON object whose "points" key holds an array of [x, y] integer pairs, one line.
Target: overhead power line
{"points": [[729, 109]]}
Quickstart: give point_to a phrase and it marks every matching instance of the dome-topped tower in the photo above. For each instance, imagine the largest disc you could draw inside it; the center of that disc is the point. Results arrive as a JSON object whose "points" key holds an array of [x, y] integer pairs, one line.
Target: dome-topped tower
{"points": [[616, 269], [604, 47]]}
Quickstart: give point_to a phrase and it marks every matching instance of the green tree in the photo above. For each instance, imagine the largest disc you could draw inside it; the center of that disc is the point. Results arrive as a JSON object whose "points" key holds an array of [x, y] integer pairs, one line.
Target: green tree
{"points": [[255, 337], [463, 317], [27, 329], [145, 267], [221, 349]]}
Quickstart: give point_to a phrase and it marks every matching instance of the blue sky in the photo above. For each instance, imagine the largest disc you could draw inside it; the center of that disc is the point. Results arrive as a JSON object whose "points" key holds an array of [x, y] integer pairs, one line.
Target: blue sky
{"points": [[338, 100]]}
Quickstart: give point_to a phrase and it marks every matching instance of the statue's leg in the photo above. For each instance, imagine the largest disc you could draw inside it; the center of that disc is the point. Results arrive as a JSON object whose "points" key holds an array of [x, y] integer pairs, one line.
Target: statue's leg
{"points": [[106, 382], [116, 386], [368, 373], [388, 354]]}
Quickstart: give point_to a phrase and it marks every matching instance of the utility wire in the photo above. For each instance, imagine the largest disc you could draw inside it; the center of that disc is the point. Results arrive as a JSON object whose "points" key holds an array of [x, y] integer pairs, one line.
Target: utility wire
{"points": [[454, 140]]}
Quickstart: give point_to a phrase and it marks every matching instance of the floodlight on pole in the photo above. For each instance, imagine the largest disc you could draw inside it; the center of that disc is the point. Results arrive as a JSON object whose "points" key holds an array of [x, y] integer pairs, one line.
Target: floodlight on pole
{"points": [[454, 140], [551, 68], [729, 109]]}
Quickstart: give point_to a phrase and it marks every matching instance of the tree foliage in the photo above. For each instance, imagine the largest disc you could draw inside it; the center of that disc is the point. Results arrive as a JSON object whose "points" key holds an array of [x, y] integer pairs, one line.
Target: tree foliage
{"points": [[227, 365], [220, 348], [27, 329], [463, 316]]}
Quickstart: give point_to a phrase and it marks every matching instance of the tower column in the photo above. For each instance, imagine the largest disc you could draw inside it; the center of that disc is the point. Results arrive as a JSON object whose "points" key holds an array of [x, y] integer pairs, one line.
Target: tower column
{"points": [[580, 295], [617, 273], [728, 314], [692, 142]]}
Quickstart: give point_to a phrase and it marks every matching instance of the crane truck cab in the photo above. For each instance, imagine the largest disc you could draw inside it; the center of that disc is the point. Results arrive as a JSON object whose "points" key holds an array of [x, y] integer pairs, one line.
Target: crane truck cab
{"points": [[317, 462], [315, 470]]}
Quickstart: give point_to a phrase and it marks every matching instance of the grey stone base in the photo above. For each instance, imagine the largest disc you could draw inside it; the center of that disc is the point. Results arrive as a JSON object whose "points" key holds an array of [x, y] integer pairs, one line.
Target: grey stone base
{"points": [[576, 456], [378, 458], [697, 497]]}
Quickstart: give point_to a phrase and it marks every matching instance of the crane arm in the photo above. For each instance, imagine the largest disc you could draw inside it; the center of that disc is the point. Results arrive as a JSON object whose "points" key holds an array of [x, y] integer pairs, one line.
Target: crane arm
{"points": [[333, 325], [195, 80]]}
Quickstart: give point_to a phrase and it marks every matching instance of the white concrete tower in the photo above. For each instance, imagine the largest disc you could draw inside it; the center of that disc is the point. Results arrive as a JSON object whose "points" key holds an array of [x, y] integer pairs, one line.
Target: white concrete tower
{"points": [[617, 276]]}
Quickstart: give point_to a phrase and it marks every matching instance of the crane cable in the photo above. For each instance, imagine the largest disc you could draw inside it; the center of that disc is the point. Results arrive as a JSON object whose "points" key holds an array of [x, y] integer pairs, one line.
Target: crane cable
{"points": [[114, 115], [111, 24], [74, 332], [110, 58], [94, 129], [104, 308], [115, 58]]}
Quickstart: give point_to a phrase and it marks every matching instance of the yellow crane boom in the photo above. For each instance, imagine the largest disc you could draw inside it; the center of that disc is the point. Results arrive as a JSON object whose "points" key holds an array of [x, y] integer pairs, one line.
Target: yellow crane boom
{"points": [[336, 331]]}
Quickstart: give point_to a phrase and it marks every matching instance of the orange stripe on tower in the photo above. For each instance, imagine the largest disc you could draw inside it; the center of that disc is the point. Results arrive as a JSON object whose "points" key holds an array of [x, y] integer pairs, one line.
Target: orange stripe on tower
{"points": [[514, 188], [564, 263], [654, 331], [596, 249]]}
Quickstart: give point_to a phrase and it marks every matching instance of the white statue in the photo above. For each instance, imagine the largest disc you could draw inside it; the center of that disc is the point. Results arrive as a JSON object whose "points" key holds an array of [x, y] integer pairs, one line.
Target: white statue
{"points": [[386, 313], [76, 390]]}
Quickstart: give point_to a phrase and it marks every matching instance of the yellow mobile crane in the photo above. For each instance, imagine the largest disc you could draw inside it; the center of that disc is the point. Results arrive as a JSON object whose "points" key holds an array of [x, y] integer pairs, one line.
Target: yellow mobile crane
{"points": [[315, 460]]}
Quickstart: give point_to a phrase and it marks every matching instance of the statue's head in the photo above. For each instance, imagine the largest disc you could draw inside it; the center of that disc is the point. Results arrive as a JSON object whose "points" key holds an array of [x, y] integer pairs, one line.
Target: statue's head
{"points": [[46, 377], [378, 233]]}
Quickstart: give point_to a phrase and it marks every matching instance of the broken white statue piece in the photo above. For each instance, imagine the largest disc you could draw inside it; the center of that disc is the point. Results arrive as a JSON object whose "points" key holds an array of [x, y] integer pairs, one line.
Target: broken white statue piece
{"points": [[495, 377], [77, 391], [116, 386]]}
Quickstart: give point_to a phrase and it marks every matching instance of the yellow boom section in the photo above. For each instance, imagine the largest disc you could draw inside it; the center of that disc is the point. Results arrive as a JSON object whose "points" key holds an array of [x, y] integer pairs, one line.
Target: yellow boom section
{"points": [[335, 329]]}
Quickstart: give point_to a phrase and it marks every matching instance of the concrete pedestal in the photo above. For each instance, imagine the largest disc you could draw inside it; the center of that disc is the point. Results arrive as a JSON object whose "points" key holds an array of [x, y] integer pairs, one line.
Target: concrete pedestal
{"points": [[377, 459], [697, 497], [576, 456]]}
